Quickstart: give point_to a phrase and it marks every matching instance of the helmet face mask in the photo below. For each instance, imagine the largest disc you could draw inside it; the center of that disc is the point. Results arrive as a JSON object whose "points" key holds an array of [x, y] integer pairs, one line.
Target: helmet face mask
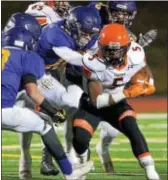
{"points": [[114, 55], [114, 43], [122, 17], [61, 7], [84, 37], [122, 12], [83, 24]]}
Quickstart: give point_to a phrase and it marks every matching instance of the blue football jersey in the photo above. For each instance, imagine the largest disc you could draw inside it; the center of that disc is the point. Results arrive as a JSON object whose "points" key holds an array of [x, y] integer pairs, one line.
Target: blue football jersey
{"points": [[15, 64], [54, 35]]}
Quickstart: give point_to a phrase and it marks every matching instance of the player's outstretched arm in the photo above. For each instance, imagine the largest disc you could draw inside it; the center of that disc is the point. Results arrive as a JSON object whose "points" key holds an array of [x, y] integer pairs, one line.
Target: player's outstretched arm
{"points": [[69, 55]]}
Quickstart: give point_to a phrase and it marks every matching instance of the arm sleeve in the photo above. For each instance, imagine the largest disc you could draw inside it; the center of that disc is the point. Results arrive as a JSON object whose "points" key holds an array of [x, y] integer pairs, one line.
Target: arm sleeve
{"points": [[28, 78], [69, 55]]}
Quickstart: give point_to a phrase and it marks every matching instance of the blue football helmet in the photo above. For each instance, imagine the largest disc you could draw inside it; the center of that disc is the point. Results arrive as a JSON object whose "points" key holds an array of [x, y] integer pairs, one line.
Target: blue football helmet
{"points": [[122, 12], [21, 38], [26, 21], [83, 23]]}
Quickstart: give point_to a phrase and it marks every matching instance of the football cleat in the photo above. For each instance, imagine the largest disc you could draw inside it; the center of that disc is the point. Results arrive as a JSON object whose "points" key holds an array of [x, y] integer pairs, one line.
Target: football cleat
{"points": [[151, 173], [47, 166], [80, 170], [148, 164]]}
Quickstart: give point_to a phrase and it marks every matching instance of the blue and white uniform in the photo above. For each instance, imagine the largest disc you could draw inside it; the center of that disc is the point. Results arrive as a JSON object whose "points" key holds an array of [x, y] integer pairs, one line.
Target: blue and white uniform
{"points": [[19, 67]]}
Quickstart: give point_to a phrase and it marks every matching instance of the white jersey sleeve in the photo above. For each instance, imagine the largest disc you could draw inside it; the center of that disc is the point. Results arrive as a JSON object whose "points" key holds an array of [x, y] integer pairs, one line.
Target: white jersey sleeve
{"points": [[136, 53], [136, 58], [93, 67], [69, 55], [43, 13]]}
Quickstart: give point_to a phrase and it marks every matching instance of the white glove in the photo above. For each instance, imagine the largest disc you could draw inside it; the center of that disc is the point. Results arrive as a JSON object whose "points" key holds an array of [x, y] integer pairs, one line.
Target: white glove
{"points": [[147, 38]]}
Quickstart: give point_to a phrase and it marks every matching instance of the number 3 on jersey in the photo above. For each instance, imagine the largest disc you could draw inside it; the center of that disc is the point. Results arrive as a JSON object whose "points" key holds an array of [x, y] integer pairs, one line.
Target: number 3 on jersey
{"points": [[4, 58]]}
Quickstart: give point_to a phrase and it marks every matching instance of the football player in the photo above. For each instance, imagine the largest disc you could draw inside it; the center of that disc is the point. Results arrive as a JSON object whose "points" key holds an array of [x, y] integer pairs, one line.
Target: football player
{"points": [[62, 40], [47, 12], [48, 86], [118, 72], [122, 12], [22, 69], [47, 167]]}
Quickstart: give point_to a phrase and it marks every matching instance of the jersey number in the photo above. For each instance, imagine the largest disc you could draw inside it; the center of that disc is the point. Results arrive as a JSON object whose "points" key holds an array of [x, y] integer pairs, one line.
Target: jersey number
{"points": [[136, 48], [117, 82], [5, 57], [38, 7]]}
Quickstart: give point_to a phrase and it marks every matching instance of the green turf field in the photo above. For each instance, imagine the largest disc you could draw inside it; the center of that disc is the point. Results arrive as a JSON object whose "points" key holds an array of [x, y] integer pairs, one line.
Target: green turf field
{"points": [[126, 166]]}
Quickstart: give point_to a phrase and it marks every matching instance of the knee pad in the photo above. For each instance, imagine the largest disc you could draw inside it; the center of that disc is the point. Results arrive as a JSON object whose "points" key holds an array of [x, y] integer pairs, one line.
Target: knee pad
{"points": [[81, 140], [81, 135]]}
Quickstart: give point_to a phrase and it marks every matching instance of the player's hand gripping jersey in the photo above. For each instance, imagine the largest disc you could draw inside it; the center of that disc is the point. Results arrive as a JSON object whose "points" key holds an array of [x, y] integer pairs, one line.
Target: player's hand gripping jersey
{"points": [[43, 13]]}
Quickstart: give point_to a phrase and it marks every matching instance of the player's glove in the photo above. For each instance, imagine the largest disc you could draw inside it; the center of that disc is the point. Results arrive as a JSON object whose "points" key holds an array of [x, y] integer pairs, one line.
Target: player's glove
{"points": [[147, 38], [57, 116]]}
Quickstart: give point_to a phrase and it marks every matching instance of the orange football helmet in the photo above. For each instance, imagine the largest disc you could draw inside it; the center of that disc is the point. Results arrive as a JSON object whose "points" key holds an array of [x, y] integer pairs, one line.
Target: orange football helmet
{"points": [[114, 42]]}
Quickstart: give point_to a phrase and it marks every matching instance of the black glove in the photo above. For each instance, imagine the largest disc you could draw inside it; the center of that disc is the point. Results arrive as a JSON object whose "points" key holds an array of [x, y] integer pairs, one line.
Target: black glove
{"points": [[57, 116]]}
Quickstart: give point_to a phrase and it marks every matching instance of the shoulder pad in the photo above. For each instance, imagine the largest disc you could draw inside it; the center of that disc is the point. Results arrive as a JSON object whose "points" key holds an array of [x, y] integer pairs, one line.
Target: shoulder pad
{"points": [[136, 53], [93, 63]]}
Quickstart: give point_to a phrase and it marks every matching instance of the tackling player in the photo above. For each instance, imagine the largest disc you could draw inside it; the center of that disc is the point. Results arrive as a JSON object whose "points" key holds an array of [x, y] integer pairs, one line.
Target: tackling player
{"points": [[47, 12], [119, 71], [22, 69], [62, 41]]}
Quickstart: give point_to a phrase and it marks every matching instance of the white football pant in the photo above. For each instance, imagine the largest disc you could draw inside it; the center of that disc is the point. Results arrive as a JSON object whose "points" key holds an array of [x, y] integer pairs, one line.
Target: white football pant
{"points": [[107, 134], [23, 120]]}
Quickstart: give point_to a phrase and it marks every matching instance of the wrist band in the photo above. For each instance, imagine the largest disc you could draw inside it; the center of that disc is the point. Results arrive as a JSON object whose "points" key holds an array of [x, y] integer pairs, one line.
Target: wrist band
{"points": [[102, 100], [118, 96]]}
